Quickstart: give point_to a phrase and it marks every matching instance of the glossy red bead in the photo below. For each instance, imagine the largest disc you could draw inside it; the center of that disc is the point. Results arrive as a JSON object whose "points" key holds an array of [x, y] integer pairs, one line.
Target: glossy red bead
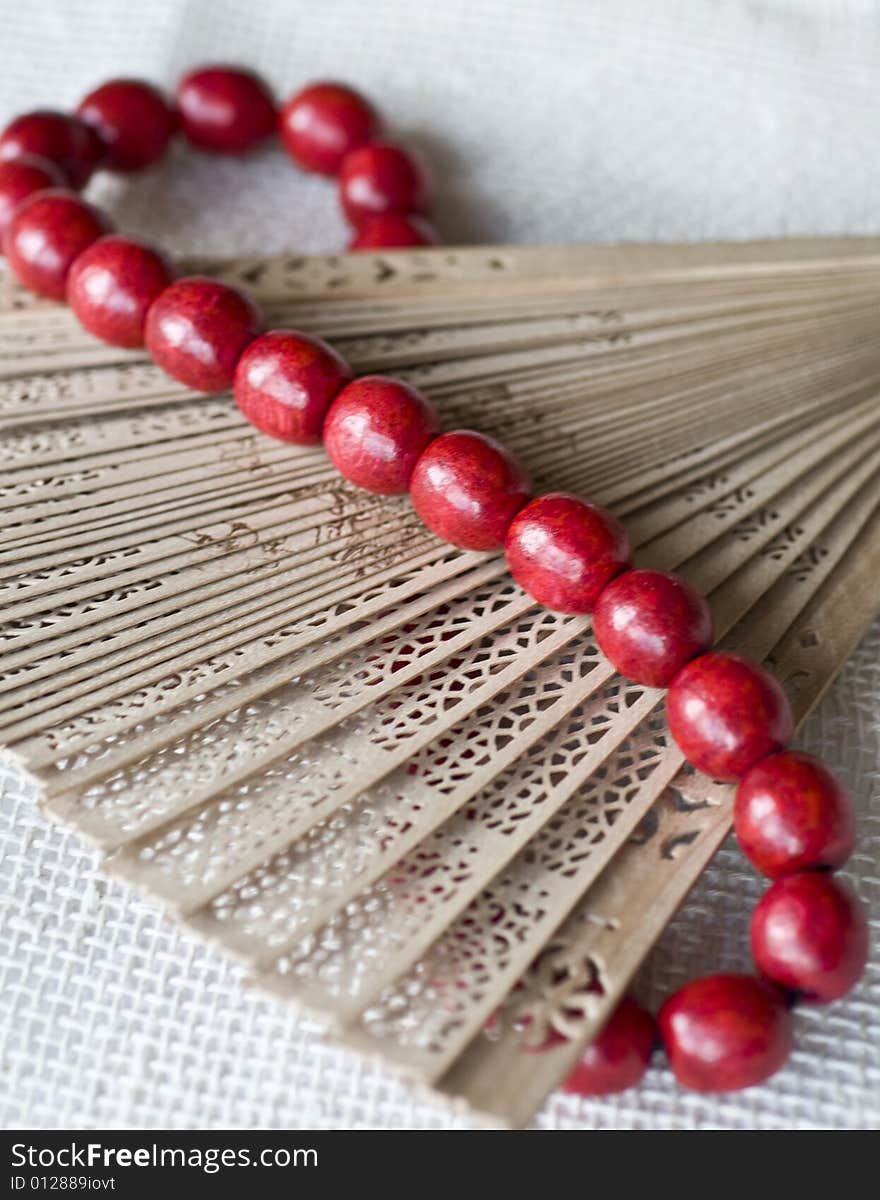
{"points": [[112, 284], [726, 714], [810, 935], [197, 329], [467, 488], [324, 122], [791, 814], [133, 120], [285, 383], [649, 624], [618, 1058], [225, 110], [44, 236], [725, 1032], [391, 231], [20, 178], [383, 178], [67, 141], [376, 430], [564, 551]]}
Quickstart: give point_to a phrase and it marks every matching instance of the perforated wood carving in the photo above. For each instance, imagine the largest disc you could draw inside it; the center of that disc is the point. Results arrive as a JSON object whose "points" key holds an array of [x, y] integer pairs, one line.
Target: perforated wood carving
{"points": [[362, 761]]}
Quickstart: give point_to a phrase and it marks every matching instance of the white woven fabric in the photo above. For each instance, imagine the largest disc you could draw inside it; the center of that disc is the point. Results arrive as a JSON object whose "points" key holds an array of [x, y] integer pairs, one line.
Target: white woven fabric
{"points": [[554, 122]]}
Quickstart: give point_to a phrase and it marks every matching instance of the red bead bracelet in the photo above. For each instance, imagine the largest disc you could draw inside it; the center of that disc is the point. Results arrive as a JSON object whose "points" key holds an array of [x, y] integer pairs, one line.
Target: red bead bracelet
{"points": [[126, 125], [729, 717]]}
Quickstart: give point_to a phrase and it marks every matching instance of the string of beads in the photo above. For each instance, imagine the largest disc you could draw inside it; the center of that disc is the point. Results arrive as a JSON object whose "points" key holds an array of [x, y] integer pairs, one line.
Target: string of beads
{"points": [[729, 717]]}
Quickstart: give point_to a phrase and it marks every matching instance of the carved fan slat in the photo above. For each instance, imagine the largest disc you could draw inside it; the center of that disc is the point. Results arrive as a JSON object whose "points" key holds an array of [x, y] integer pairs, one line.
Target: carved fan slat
{"points": [[364, 762]]}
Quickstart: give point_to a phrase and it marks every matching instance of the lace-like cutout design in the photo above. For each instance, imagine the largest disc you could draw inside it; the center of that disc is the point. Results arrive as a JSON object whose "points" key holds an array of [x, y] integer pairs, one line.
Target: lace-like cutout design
{"points": [[363, 761]]}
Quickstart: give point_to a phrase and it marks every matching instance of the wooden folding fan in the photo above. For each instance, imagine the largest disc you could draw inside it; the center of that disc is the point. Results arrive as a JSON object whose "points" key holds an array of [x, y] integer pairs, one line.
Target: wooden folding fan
{"points": [[362, 761]]}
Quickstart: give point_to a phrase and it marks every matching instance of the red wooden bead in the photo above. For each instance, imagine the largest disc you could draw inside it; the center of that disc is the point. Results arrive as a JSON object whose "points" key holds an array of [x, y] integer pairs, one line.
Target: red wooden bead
{"points": [[791, 814], [810, 934], [197, 329], [324, 122], [132, 119], [225, 110], [46, 233], [285, 382], [382, 178], [467, 488], [391, 231], [649, 624], [726, 714], [618, 1058], [725, 1032], [376, 430], [64, 140], [563, 551], [20, 178], [112, 284]]}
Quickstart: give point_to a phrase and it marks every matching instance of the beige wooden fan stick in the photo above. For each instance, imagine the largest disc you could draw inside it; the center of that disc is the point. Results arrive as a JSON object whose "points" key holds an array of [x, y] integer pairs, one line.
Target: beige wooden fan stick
{"points": [[578, 336], [651, 351], [37, 741], [680, 389], [430, 887], [406, 273], [409, 273], [317, 508], [688, 367], [727, 458], [144, 443], [308, 523], [381, 352], [548, 439], [604, 308], [55, 331], [550, 452], [120, 389], [184, 474], [68, 804]]}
